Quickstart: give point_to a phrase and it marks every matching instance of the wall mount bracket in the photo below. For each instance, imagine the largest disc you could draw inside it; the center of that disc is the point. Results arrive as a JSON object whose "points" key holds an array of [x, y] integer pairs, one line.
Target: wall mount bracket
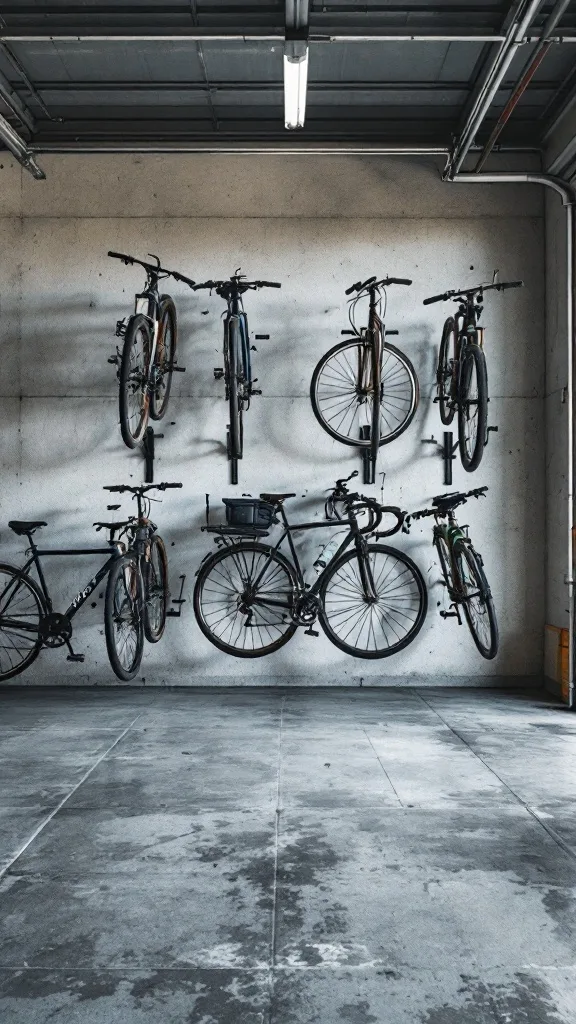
{"points": [[148, 450], [175, 613], [447, 452]]}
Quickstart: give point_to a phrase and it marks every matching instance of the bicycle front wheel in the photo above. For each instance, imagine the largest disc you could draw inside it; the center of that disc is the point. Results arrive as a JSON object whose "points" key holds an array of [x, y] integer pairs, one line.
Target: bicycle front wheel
{"points": [[477, 602], [165, 358], [134, 380], [445, 371], [123, 618], [378, 628], [472, 407], [343, 403], [21, 609], [243, 599], [155, 591], [235, 385]]}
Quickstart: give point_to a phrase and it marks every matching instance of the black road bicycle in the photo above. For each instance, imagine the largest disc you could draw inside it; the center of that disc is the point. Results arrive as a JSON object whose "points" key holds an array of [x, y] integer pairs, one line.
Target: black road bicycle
{"points": [[249, 598], [135, 602], [463, 570], [461, 374], [237, 369], [365, 392], [148, 357]]}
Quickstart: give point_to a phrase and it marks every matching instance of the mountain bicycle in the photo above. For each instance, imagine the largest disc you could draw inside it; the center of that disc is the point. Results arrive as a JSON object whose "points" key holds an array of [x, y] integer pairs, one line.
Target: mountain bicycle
{"points": [[148, 357], [463, 570], [461, 374], [365, 392], [135, 602], [237, 369], [249, 598]]}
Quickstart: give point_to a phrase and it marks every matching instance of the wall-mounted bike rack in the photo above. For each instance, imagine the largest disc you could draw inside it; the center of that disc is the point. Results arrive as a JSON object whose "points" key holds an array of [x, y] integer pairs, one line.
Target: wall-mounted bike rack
{"points": [[447, 452], [368, 463], [175, 613], [148, 450]]}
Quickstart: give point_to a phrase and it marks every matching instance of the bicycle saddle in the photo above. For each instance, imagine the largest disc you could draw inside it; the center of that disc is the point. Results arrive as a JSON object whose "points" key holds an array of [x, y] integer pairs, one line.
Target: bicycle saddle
{"points": [[447, 500], [22, 528], [276, 499], [111, 526]]}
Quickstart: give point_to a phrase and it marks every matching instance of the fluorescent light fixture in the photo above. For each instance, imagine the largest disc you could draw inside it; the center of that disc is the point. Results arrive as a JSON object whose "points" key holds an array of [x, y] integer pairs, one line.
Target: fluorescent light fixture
{"points": [[295, 79]]}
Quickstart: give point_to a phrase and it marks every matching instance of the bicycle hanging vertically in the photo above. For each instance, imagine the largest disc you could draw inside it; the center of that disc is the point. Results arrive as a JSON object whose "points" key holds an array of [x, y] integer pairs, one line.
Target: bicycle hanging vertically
{"points": [[365, 392], [461, 374], [237, 369], [148, 358]]}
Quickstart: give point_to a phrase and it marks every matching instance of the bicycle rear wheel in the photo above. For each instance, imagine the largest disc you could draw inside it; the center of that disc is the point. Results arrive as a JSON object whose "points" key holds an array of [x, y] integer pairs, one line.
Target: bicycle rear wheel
{"points": [[123, 618], [384, 627], [472, 407], [21, 609], [243, 599], [478, 605], [165, 357], [343, 404], [134, 378], [445, 371], [155, 591]]}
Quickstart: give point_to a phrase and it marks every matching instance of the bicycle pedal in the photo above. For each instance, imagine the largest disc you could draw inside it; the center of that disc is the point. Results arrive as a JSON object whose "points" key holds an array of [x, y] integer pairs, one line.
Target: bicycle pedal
{"points": [[311, 632], [179, 369], [113, 360], [262, 337], [218, 372], [255, 391], [75, 657], [449, 615]]}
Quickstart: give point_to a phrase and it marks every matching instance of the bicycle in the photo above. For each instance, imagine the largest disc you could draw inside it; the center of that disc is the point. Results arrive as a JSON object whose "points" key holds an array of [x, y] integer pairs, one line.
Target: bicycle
{"points": [[135, 601], [237, 369], [463, 570], [148, 357], [249, 598], [365, 392], [461, 374]]}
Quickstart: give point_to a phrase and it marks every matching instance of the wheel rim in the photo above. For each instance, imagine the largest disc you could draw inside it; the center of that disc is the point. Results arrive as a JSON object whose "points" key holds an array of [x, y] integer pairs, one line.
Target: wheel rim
{"points": [[387, 622], [136, 387], [476, 607], [18, 604], [446, 368], [164, 362], [126, 617], [345, 401], [232, 601], [156, 595], [470, 407]]}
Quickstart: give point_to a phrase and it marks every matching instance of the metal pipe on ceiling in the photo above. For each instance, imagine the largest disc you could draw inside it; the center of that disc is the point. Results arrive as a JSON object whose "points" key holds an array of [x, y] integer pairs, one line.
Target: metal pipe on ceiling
{"points": [[243, 149], [264, 37], [491, 82], [568, 195], [526, 76], [18, 147]]}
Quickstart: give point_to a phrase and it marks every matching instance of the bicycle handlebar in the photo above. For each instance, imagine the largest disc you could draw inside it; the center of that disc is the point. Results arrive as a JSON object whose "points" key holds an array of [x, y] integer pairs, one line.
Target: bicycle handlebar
{"points": [[153, 268], [371, 281], [443, 502], [242, 286], [121, 488], [498, 286]]}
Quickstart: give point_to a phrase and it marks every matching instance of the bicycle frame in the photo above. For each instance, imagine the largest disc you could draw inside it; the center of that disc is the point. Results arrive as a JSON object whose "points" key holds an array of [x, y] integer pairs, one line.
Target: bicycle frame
{"points": [[147, 303], [82, 595], [451, 533], [236, 311]]}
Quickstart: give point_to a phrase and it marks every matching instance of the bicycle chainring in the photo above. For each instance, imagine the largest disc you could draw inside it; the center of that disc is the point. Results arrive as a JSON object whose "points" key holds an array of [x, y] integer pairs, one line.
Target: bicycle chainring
{"points": [[55, 629], [305, 610]]}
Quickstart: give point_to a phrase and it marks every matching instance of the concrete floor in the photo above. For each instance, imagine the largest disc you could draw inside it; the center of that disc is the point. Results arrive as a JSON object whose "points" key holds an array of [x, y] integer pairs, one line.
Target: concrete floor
{"points": [[241, 857]]}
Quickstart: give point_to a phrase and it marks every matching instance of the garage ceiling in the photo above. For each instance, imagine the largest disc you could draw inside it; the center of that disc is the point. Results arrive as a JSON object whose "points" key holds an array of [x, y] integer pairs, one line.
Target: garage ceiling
{"points": [[128, 72]]}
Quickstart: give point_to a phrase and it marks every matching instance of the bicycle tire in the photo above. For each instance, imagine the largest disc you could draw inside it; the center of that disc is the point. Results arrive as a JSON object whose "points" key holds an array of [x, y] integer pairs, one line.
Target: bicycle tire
{"points": [[473, 364], [235, 363], [488, 643], [376, 376], [443, 552], [445, 372], [207, 585], [395, 362], [155, 591], [134, 381], [165, 357], [33, 611], [417, 595], [124, 602]]}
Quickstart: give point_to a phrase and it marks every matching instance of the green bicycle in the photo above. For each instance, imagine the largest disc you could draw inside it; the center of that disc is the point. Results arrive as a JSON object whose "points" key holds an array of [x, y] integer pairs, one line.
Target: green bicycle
{"points": [[463, 570]]}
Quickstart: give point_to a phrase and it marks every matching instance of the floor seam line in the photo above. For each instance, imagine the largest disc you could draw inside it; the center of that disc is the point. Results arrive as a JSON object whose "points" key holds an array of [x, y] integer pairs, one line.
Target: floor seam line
{"points": [[60, 805], [550, 831], [383, 768], [277, 813]]}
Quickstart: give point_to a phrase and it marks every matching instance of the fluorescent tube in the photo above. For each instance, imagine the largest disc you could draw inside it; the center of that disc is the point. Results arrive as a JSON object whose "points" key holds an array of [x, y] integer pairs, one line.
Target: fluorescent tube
{"points": [[295, 79]]}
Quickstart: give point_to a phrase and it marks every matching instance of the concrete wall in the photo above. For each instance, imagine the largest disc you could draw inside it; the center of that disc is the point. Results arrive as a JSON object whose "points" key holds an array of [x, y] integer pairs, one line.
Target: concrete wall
{"points": [[316, 224]]}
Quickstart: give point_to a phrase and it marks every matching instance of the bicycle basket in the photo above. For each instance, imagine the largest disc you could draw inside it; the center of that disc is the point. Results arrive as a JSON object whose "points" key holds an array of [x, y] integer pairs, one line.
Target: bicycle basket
{"points": [[248, 512]]}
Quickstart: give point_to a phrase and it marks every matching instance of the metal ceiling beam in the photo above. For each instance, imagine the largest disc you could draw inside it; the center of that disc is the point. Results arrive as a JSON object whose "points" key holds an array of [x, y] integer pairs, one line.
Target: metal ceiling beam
{"points": [[523, 15], [15, 103], [422, 35], [18, 147]]}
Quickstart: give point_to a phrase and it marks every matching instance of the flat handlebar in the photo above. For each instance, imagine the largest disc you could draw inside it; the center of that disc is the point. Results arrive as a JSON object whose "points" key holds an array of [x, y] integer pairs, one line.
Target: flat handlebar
{"points": [[231, 283], [153, 268], [121, 488], [499, 286], [443, 503], [372, 282]]}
